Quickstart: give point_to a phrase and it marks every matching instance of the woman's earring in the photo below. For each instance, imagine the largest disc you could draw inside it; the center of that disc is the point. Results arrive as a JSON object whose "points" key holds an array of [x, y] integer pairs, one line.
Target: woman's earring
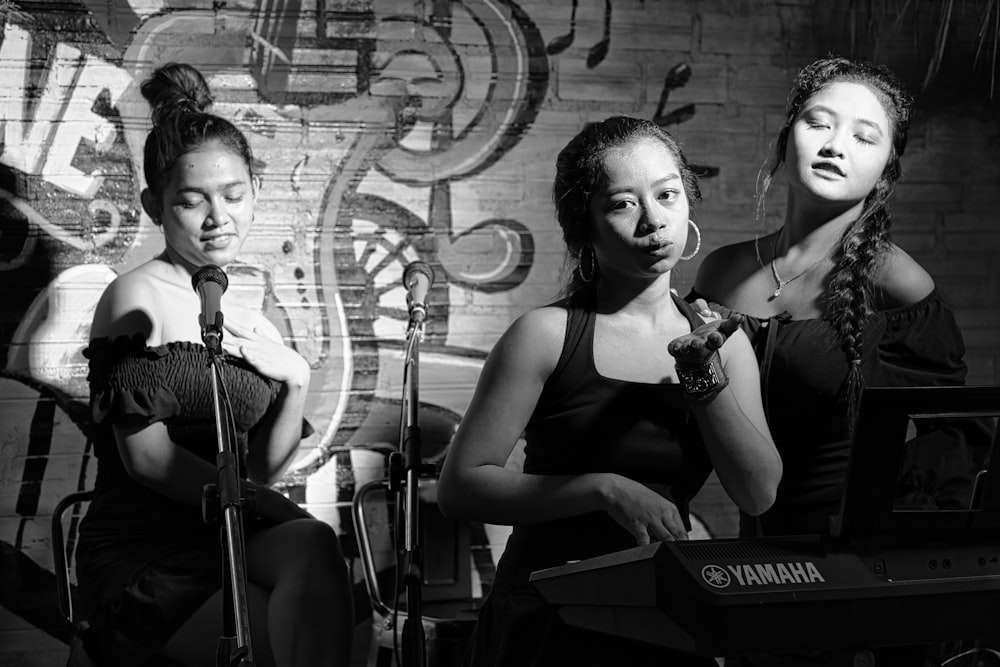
{"points": [[697, 242], [587, 258]]}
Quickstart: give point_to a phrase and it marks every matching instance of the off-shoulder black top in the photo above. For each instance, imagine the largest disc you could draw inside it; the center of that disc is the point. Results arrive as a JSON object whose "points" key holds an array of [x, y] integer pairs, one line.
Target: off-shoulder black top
{"points": [[144, 561], [803, 370]]}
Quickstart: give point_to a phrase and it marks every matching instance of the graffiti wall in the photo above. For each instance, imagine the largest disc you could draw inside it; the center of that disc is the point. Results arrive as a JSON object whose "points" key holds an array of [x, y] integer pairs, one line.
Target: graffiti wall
{"points": [[387, 131]]}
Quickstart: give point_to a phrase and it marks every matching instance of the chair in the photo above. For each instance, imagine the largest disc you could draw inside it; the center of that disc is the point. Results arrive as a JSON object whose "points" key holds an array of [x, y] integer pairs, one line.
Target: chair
{"points": [[62, 555], [449, 607]]}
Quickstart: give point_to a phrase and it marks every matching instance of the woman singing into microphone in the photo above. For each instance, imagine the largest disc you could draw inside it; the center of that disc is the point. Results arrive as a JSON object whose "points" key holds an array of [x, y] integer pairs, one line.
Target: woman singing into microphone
{"points": [[148, 565]]}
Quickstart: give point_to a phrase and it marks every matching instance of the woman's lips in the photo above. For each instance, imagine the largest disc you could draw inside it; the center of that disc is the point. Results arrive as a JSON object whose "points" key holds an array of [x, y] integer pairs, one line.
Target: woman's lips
{"points": [[660, 247], [830, 168], [219, 242]]}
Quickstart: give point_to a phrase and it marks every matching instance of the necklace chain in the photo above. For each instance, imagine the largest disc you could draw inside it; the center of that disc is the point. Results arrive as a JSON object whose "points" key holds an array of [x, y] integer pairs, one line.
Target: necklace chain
{"points": [[779, 284]]}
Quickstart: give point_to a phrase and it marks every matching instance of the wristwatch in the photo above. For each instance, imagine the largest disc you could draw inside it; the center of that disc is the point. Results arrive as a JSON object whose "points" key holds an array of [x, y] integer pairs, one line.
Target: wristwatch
{"points": [[702, 382]]}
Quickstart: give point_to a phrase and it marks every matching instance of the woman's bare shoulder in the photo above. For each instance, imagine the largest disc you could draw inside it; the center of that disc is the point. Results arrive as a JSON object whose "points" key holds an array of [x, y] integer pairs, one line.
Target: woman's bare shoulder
{"points": [[901, 280], [725, 269], [128, 305], [542, 324], [536, 337]]}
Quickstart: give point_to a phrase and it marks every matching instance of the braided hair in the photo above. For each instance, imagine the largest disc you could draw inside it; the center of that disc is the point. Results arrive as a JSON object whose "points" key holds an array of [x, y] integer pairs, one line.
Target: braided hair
{"points": [[180, 98], [862, 245], [579, 170]]}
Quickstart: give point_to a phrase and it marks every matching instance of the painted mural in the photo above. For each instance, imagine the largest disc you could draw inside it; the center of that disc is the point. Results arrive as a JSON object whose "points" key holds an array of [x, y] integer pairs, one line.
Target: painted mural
{"points": [[372, 120]]}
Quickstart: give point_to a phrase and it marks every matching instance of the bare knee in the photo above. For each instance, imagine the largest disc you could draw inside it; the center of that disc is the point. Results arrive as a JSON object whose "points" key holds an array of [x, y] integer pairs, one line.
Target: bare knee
{"points": [[305, 547], [318, 540]]}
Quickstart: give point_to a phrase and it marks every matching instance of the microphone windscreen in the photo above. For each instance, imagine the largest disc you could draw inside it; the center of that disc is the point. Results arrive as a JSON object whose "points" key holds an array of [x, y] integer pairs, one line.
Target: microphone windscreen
{"points": [[210, 273], [417, 267]]}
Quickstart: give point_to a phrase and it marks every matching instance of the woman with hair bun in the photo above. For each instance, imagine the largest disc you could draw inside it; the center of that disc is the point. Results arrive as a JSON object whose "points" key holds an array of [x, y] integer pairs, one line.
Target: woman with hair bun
{"points": [[149, 567]]}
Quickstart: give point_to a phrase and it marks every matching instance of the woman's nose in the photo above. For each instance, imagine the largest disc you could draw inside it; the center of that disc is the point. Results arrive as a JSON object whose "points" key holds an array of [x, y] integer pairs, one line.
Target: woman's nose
{"points": [[651, 219], [217, 214], [833, 147]]}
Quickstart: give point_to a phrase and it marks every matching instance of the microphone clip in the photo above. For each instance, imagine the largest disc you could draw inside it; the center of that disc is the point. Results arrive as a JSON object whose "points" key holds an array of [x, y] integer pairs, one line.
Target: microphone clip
{"points": [[418, 311], [211, 333]]}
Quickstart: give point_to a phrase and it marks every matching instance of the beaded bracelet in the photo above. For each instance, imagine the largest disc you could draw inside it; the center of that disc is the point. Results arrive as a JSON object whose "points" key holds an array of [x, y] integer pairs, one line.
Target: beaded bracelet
{"points": [[701, 383]]}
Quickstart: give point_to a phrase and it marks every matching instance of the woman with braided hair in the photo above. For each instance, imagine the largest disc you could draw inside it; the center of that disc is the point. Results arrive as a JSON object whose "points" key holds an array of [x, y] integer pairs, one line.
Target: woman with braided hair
{"points": [[833, 305]]}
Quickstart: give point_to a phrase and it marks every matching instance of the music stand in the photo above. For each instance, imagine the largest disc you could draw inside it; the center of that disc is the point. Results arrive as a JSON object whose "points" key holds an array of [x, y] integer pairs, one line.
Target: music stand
{"points": [[868, 514]]}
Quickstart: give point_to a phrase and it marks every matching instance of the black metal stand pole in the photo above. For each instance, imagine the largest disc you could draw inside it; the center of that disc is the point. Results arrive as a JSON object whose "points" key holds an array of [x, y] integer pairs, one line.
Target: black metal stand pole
{"points": [[411, 469], [223, 503]]}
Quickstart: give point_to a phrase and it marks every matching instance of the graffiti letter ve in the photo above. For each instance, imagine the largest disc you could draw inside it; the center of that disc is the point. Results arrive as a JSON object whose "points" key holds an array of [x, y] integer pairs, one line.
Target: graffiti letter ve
{"points": [[79, 122], [63, 121]]}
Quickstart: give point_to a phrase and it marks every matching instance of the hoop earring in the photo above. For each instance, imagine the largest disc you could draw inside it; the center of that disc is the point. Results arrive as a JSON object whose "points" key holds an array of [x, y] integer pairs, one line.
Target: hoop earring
{"points": [[697, 242], [592, 261]]}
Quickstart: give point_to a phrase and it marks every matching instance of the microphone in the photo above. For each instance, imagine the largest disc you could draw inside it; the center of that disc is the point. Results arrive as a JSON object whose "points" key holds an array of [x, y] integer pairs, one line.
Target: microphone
{"points": [[210, 282], [417, 279]]}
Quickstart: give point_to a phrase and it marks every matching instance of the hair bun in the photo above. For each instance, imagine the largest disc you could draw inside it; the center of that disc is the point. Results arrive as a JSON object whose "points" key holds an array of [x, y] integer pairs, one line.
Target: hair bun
{"points": [[175, 89]]}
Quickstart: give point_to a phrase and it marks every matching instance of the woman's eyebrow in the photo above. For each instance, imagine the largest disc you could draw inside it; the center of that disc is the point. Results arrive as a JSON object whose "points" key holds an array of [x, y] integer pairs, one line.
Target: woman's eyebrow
{"points": [[859, 121], [660, 181]]}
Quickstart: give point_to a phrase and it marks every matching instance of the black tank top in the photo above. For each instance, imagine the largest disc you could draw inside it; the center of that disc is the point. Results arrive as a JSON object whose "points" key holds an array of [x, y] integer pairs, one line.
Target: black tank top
{"points": [[585, 422]]}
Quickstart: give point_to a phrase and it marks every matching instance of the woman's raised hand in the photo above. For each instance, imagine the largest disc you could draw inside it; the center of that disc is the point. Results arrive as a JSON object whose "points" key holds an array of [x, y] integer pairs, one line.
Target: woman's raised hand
{"points": [[269, 357], [646, 514], [697, 347]]}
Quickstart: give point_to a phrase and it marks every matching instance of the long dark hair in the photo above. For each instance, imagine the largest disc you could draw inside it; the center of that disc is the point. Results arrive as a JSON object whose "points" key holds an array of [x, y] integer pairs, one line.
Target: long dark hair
{"points": [[180, 98], [579, 170], [862, 245]]}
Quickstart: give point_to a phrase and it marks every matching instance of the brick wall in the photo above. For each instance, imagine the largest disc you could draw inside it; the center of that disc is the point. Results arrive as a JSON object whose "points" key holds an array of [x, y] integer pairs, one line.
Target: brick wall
{"points": [[390, 131]]}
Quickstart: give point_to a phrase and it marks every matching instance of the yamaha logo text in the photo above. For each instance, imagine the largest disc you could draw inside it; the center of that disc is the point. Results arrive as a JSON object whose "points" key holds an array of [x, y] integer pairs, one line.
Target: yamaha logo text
{"points": [[761, 574]]}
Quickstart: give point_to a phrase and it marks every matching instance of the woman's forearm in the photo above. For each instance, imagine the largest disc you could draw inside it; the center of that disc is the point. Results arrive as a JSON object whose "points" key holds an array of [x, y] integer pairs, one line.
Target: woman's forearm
{"points": [[497, 495], [156, 462], [746, 461], [278, 435]]}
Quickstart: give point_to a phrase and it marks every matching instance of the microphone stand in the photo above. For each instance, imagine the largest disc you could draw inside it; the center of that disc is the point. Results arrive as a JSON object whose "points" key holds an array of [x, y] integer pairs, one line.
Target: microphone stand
{"points": [[404, 476], [234, 644]]}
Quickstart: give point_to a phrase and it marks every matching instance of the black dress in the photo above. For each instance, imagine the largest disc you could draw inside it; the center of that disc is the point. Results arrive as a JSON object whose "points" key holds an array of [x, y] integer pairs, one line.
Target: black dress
{"points": [[145, 563], [588, 423], [802, 372]]}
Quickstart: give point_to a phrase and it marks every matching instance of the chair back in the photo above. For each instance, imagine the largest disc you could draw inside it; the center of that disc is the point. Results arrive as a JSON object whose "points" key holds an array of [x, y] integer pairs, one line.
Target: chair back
{"points": [[64, 551], [446, 546], [449, 599], [63, 556]]}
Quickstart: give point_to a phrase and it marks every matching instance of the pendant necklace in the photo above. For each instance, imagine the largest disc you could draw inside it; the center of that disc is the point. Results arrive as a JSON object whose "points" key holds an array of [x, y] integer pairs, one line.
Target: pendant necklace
{"points": [[779, 284]]}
